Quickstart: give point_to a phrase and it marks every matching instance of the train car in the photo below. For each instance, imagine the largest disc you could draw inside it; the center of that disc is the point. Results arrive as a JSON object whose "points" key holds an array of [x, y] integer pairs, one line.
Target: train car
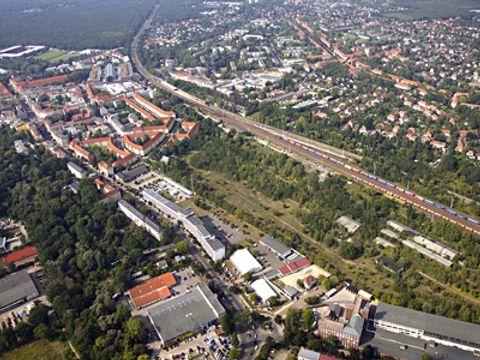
{"points": [[473, 221], [381, 181], [439, 206], [409, 193], [419, 197], [461, 216], [402, 190], [451, 212], [372, 177], [391, 185], [325, 157], [429, 202], [355, 169], [318, 153], [364, 173], [311, 150], [348, 167]]}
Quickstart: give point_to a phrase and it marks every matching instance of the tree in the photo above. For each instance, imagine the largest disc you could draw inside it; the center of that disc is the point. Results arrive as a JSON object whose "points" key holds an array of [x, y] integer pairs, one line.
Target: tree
{"points": [[227, 323], [42, 331], [181, 247], [135, 329]]}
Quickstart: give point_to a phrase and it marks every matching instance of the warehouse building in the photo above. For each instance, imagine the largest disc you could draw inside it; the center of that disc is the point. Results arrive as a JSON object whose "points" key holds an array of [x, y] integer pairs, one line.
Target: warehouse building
{"points": [[244, 262], [141, 220], [16, 289], [276, 246], [186, 314], [428, 327]]}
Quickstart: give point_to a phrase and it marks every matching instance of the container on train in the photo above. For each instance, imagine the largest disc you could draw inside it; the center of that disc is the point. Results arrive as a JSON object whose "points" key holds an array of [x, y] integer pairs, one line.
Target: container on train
{"points": [[473, 221]]}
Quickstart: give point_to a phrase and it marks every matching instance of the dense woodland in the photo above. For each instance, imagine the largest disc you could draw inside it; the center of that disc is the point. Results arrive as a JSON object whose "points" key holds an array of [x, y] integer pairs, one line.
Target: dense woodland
{"points": [[76, 25], [88, 251]]}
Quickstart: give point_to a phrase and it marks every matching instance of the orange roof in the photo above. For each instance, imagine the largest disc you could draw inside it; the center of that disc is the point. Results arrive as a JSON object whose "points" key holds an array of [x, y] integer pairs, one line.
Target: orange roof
{"points": [[152, 107], [20, 255], [46, 81], [152, 290]]}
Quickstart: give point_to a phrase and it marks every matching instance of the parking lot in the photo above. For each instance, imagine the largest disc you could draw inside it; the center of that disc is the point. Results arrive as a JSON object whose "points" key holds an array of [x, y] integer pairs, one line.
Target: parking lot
{"points": [[268, 258], [209, 345], [225, 232], [159, 183]]}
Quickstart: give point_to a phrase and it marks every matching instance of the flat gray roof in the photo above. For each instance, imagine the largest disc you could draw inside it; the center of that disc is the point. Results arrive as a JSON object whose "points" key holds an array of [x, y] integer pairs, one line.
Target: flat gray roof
{"points": [[17, 287], [433, 325], [185, 313], [275, 245]]}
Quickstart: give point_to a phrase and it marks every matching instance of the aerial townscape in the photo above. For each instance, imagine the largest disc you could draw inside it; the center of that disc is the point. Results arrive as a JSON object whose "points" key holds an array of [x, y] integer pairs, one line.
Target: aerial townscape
{"points": [[240, 179]]}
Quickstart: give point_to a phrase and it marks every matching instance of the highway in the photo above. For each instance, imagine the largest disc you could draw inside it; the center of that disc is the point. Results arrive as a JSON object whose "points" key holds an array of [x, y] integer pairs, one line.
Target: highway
{"points": [[304, 147]]}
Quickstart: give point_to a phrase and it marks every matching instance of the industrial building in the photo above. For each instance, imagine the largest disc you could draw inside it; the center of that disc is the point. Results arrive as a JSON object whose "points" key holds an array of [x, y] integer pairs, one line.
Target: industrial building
{"points": [[141, 220], [185, 314], [348, 223], [212, 246], [389, 264], [344, 320], [16, 289], [244, 262], [281, 250], [428, 327]]}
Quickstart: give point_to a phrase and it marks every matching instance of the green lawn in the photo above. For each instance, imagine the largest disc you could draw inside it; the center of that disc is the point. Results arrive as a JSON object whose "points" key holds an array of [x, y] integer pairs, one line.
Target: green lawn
{"points": [[50, 55], [40, 350]]}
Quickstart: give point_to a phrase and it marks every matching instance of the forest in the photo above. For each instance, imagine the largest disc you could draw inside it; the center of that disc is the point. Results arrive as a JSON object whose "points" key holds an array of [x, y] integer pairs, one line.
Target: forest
{"points": [[88, 251], [76, 25]]}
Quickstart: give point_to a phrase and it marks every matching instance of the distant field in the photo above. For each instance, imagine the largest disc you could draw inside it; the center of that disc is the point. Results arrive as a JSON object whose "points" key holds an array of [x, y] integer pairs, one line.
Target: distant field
{"points": [[50, 55], [71, 24], [40, 350], [434, 8]]}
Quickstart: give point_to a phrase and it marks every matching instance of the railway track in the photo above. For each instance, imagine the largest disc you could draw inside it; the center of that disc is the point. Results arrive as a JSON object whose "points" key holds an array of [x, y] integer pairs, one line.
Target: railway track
{"points": [[304, 147]]}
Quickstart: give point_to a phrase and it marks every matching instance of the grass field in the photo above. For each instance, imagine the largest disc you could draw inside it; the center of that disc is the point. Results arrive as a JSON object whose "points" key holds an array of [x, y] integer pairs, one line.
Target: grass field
{"points": [[40, 350], [51, 55]]}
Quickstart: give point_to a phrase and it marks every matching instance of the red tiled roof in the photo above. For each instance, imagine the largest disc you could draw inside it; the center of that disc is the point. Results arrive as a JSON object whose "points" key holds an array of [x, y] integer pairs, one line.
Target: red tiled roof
{"points": [[294, 266], [21, 254], [152, 290]]}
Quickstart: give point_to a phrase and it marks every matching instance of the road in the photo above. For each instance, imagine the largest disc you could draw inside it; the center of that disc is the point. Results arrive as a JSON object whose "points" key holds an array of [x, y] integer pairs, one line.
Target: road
{"points": [[275, 138]]}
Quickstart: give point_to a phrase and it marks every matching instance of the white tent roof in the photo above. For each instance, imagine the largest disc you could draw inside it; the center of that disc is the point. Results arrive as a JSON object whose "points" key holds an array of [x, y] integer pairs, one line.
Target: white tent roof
{"points": [[263, 290], [244, 262]]}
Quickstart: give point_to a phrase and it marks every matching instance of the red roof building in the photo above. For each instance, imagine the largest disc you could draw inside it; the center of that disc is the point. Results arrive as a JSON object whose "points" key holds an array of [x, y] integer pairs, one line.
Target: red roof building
{"points": [[155, 110], [20, 257], [294, 266], [152, 290]]}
